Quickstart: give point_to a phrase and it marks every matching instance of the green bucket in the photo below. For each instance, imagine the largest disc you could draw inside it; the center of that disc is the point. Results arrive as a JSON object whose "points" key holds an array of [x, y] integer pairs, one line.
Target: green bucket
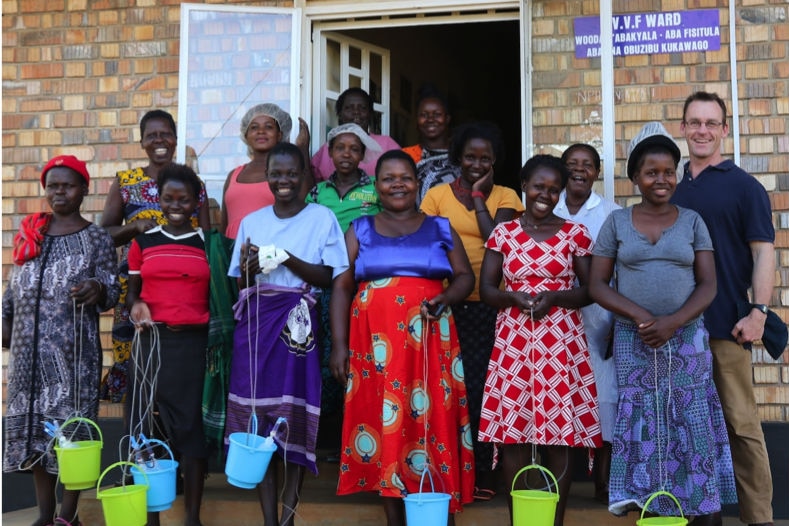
{"points": [[124, 505], [532, 507], [662, 521], [79, 465]]}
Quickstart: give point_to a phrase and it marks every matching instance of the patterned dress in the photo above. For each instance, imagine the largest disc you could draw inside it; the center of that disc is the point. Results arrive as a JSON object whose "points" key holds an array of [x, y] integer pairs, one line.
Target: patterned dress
{"points": [[405, 401], [540, 386], [669, 432], [48, 360], [140, 201]]}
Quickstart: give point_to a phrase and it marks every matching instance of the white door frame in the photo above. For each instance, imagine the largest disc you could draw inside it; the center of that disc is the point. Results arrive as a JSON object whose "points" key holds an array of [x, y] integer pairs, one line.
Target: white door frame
{"points": [[344, 15], [319, 92]]}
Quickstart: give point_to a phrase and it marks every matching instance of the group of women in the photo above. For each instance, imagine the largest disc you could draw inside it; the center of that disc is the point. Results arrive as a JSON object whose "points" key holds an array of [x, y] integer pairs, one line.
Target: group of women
{"points": [[457, 319]]}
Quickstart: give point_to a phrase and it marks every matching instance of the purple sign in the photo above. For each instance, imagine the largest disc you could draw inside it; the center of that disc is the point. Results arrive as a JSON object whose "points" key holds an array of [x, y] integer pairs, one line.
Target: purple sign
{"points": [[650, 33]]}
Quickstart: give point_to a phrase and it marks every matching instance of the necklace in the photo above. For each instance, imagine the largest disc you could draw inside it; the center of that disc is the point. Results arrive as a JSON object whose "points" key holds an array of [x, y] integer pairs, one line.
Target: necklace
{"points": [[533, 226]]}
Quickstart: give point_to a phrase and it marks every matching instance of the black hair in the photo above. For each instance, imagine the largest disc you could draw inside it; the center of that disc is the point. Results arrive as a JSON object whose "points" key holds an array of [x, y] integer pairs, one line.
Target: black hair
{"points": [[545, 161], [582, 146], [705, 97], [487, 131], [352, 91], [430, 91], [157, 114], [398, 155], [179, 173], [655, 148], [286, 148]]}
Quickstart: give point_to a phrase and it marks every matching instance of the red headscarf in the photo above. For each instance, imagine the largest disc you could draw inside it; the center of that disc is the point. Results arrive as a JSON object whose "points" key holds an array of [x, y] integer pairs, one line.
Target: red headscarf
{"points": [[27, 242]]}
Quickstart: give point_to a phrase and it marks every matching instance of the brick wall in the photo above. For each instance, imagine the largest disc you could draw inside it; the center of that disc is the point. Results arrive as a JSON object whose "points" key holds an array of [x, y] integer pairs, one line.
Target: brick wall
{"points": [[567, 109], [79, 74]]}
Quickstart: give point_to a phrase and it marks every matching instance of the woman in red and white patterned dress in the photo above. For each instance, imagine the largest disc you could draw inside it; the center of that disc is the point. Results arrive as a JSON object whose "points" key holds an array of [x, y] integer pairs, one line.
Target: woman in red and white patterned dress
{"points": [[540, 386]]}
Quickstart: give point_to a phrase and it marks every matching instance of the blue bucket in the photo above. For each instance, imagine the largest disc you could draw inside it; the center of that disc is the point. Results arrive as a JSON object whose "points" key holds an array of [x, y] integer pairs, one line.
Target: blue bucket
{"points": [[426, 508], [160, 480], [248, 457]]}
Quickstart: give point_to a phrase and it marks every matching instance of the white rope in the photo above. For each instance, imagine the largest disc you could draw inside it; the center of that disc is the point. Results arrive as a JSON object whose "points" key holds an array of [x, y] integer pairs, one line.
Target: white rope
{"points": [[253, 350], [533, 411], [662, 470], [146, 370]]}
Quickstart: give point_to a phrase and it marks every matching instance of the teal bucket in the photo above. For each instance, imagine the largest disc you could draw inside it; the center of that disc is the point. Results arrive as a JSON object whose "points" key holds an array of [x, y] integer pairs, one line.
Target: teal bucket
{"points": [[160, 480], [426, 508], [248, 457], [534, 507]]}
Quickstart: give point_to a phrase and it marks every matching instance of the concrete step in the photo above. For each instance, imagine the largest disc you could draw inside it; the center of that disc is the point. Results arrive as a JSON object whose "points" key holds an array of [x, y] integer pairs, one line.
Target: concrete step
{"points": [[225, 505]]}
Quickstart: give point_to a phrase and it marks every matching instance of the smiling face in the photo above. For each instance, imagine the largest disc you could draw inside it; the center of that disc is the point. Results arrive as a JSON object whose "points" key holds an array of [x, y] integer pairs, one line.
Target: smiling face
{"points": [[284, 177], [704, 143], [346, 153], [656, 177], [263, 133], [542, 191], [397, 185], [476, 159], [178, 203], [355, 108], [432, 119], [64, 189], [158, 140], [583, 173]]}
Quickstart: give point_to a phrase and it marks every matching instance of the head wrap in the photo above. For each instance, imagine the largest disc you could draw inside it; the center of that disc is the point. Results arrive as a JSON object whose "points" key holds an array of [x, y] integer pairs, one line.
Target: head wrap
{"points": [[370, 146], [652, 134], [69, 161], [27, 242], [269, 110]]}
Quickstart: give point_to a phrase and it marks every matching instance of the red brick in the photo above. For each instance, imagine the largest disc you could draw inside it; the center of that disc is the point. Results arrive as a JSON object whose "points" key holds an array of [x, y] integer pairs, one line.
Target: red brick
{"points": [[41, 71], [779, 201]]}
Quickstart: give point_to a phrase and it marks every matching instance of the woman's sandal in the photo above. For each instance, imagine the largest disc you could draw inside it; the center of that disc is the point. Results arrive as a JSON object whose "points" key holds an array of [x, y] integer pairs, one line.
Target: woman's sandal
{"points": [[63, 522], [483, 494]]}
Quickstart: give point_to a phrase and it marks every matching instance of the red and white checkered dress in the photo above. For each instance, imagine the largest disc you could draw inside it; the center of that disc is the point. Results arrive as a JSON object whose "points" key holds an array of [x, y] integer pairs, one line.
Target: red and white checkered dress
{"points": [[540, 386]]}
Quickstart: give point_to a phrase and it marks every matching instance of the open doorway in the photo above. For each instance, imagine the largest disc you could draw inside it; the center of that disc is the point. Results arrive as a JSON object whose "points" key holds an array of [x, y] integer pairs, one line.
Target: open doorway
{"points": [[477, 65]]}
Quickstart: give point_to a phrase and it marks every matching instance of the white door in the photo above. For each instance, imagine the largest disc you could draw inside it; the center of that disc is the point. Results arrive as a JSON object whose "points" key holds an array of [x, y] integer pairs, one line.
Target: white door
{"points": [[340, 63]]}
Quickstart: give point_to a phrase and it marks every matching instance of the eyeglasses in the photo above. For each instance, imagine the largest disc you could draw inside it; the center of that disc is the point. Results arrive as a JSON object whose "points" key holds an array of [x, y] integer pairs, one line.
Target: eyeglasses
{"points": [[695, 124]]}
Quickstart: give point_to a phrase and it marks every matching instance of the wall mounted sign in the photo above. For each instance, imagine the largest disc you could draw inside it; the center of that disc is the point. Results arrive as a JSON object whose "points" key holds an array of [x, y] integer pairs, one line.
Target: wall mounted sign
{"points": [[651, 33]]}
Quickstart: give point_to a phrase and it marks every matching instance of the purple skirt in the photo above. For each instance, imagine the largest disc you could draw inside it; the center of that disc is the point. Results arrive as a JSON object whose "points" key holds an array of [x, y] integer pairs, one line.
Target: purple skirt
{"points": [[669, 432], [275, 370]]}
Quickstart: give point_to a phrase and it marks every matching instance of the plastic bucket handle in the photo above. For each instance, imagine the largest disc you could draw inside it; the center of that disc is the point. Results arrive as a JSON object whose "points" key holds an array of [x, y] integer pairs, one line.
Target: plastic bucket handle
{"points": [[252, 426], [165, 446], [77, 419], [425, 471], [658, 494], [544, 470], [117, 464]]}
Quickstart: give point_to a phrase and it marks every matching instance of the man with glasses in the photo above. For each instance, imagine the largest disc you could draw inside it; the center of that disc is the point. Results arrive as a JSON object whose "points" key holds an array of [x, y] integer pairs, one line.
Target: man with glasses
{"points": [[736, 209]]}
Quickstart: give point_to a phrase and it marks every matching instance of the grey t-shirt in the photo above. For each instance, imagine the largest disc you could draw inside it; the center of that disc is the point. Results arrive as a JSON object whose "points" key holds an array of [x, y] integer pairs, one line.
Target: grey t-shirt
{"points": [[658, 277]]}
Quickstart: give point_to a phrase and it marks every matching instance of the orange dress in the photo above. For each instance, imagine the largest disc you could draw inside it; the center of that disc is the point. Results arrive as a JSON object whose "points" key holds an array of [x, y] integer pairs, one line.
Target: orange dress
{"points": [[405, 401]]}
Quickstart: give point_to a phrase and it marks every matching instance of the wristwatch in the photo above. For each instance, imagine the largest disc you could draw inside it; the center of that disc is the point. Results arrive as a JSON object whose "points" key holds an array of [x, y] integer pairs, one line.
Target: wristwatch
{"points": [[760, 307]]}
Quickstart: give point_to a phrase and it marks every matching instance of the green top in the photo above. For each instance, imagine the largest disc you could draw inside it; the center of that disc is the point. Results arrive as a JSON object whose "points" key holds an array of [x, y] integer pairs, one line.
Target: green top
{"points": [[360, 200]]}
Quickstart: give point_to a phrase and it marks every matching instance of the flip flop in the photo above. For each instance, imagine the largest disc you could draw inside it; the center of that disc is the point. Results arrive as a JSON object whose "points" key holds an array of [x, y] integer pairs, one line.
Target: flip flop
{"points": [[483, 494]]}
